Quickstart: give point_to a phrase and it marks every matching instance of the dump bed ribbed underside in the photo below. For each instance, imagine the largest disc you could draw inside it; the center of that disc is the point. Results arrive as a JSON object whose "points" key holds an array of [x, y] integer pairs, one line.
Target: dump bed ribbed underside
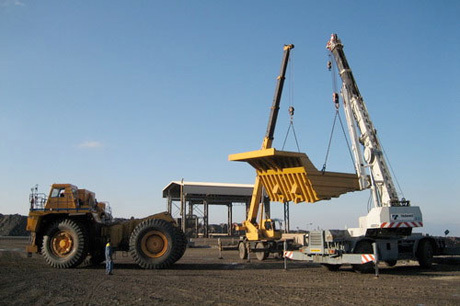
{"points": [[291, 176]]}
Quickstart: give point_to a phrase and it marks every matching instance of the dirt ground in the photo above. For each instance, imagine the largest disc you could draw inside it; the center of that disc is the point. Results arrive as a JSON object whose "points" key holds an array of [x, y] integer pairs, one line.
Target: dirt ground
{"points": [[200, 278]]}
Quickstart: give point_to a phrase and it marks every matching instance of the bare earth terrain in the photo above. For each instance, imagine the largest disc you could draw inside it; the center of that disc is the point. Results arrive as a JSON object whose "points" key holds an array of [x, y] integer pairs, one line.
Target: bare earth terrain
{"points": [[200, 278]]}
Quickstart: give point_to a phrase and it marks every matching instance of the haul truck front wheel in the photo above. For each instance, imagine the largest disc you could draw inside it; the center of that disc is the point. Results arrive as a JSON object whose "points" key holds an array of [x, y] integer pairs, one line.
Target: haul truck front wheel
{"points": [[65, 244], [156, 244]]}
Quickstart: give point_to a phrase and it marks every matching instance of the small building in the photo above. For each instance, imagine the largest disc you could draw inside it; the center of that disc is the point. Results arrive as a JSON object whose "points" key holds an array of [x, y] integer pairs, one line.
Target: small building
{"points": [[184, 199]]}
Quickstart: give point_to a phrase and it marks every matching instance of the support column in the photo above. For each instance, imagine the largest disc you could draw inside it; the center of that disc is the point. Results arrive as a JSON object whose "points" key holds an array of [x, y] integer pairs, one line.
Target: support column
{"points": [[229, 220], [190, 209], [169, 203], [189, 218], [183, 211], [197, 223], [267, 207], [248, 203], [205, 219], [286, 217]]}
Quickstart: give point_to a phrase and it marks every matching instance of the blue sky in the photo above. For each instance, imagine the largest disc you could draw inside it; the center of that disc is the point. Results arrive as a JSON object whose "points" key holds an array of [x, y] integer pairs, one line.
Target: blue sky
{"points": [[122, 97]]}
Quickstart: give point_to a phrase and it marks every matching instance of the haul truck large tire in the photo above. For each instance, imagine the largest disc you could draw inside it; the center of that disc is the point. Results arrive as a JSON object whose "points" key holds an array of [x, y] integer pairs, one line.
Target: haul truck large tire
{"points": [[65, 244], [156, 244], [184, 242]]}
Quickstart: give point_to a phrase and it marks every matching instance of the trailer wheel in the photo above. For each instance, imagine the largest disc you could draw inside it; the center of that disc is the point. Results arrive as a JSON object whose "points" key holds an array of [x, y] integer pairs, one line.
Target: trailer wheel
{"points": [[425, 252], [364, 247], [261, 255], [331, 267], [65, 244], [155, 244], [242, 251]]}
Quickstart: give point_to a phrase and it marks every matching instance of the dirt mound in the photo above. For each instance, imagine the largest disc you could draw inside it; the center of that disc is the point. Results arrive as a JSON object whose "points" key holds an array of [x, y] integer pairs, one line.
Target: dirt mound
{"points": [[13, 225]]}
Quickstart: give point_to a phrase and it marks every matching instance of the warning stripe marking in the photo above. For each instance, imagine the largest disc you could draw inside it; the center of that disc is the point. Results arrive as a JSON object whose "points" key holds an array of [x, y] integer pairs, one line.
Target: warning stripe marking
{"points": [[288, 254], [400, 224], [365, 258]]}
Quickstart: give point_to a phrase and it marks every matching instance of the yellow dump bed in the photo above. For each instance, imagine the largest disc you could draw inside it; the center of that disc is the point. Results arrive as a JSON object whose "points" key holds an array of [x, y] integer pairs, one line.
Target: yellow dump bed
{"points": [[291, 176]]}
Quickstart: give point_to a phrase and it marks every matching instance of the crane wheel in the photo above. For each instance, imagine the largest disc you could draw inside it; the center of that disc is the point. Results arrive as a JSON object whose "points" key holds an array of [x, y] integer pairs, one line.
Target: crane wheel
{"points": [[242, 250], [261, 255], [364, 247], [156, 244], [65, 244], [425, 252]]}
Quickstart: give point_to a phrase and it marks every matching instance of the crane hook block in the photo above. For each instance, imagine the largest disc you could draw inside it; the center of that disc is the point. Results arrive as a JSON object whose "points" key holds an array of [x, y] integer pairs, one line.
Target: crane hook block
{"points": [[335, 99], [291, 111], [329, 65]]}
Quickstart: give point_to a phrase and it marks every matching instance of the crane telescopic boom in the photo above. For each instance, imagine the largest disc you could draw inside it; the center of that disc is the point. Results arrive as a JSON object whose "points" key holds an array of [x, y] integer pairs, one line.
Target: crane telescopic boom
{"points": [[389, 216], [277, 99], [382, 186], [253, 230]]}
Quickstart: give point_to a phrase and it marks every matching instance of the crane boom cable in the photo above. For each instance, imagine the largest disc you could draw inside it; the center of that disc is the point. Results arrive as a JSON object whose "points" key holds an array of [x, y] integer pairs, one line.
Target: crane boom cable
{"points": [[291, 79], [346, 139], [291, 124], [330, 142], [337, 115], [332, 68], [291, 103], [392, 171]]}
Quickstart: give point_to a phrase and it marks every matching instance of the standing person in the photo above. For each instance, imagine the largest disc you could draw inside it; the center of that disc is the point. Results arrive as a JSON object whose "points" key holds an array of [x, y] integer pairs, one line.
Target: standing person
{"points": [[108, 258]]}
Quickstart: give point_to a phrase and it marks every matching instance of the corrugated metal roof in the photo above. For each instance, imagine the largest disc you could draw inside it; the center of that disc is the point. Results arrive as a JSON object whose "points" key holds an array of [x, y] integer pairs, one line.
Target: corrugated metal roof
{"points": [[208, 188]]}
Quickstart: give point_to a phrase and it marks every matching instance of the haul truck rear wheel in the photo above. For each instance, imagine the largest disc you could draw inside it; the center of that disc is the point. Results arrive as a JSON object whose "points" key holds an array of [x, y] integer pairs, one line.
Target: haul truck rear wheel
{"points": [[183, 240], [65, 244], [155, 244]]}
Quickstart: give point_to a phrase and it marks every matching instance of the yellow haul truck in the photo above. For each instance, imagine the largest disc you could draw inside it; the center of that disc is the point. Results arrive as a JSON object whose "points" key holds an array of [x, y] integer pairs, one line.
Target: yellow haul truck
{"points": [[70, 226]]}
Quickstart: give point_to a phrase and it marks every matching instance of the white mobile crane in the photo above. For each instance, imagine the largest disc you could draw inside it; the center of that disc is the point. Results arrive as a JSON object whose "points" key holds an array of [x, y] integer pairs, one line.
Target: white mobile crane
{"points": [[389, 215], [386, 231]]}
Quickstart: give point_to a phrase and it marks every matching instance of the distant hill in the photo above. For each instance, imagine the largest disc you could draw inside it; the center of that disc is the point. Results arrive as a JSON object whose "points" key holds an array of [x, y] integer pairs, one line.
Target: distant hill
{"points": [[13, 225]]}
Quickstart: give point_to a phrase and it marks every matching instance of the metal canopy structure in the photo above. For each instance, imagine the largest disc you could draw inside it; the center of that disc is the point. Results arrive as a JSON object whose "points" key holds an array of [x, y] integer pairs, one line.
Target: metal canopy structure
{"points": [[184, 199]]}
